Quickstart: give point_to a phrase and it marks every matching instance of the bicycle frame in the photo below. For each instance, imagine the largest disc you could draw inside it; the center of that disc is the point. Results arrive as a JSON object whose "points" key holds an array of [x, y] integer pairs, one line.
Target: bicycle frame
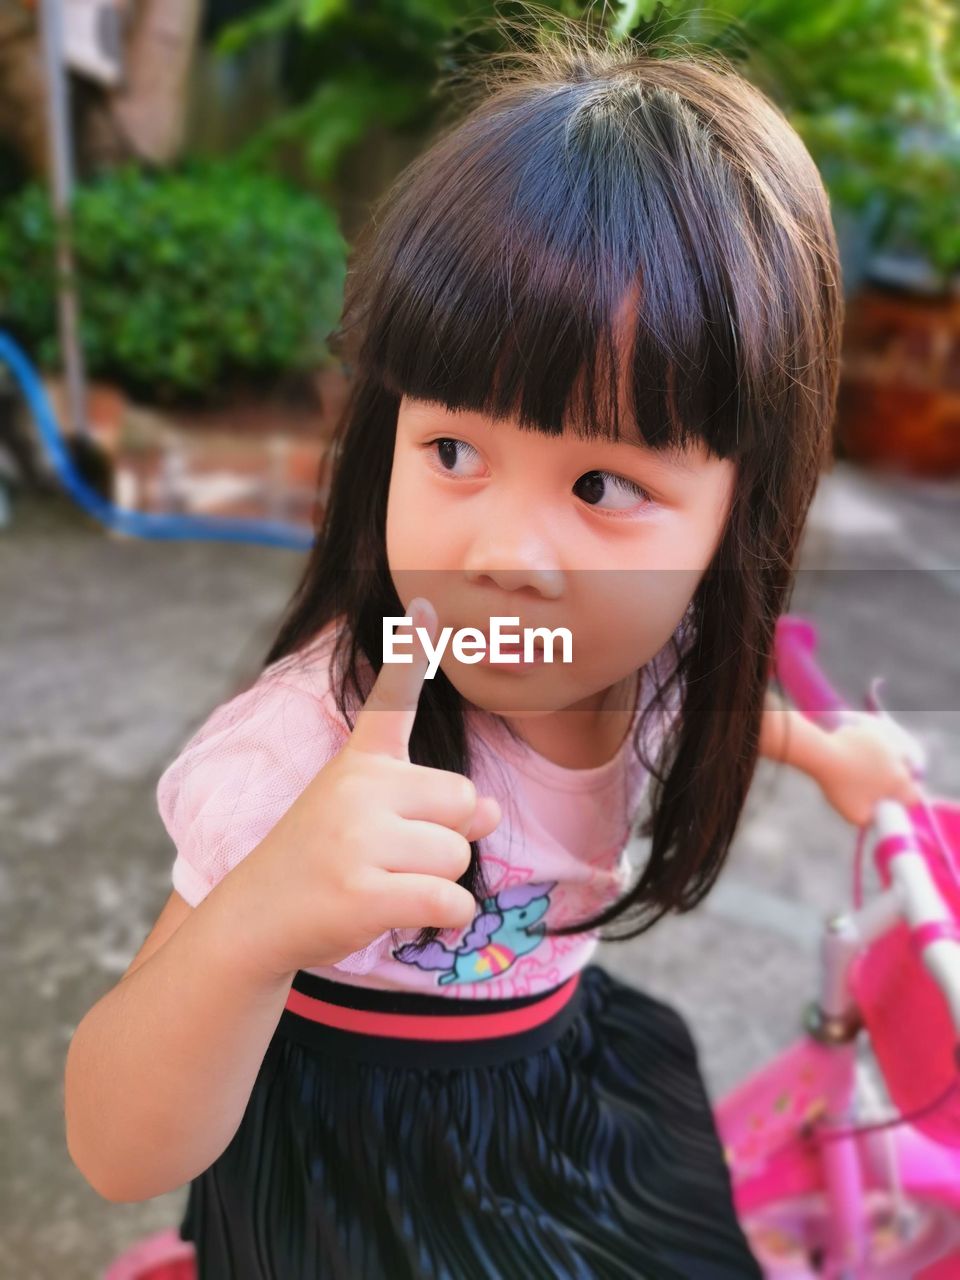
{"points": [[817, 1195], [800, 1198]]}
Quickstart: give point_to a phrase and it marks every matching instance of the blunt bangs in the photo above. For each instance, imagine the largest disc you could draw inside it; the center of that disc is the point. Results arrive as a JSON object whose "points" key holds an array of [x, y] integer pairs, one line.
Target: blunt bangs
{"points": [[584, 258]]}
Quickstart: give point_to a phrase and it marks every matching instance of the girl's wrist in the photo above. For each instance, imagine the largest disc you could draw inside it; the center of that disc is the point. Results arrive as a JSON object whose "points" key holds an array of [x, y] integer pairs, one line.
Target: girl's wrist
{"points": [[232, 924], [789, 737]]}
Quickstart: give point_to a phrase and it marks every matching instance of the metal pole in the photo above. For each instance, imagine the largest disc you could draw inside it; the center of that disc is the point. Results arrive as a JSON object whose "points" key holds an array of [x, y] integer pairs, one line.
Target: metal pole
{"points": [[61, 185]]}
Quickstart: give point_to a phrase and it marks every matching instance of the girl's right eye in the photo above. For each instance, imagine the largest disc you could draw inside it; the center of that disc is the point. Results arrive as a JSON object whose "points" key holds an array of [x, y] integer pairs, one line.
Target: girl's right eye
{"points": [[446, 452]]}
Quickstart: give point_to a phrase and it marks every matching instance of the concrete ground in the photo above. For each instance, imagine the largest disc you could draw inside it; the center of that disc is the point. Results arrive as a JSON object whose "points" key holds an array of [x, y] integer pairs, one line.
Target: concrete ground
{"points": [[111, 651]]}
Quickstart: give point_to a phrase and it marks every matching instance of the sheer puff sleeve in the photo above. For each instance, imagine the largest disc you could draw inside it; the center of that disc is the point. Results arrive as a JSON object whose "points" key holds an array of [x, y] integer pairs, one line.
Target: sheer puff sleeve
{"points": [[236, 777]]}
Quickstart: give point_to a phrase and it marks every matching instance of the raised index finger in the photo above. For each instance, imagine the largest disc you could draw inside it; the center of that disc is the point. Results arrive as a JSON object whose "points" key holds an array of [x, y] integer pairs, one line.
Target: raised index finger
{"points": [[386, 718]]}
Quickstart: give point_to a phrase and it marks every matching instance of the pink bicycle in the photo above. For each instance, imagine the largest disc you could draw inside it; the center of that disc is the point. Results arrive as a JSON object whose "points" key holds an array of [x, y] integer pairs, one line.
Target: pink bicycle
{"points": [[824, 1189]]}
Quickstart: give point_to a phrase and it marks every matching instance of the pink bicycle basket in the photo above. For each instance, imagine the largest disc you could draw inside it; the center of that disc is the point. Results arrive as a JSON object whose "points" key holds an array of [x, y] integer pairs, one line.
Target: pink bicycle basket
{"points": [[905, 1011]]}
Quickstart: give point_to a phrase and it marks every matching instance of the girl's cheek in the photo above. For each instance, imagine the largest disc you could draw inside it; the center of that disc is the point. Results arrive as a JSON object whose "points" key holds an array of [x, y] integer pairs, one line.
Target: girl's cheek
{"points": [[412, 546], [401, 523]]}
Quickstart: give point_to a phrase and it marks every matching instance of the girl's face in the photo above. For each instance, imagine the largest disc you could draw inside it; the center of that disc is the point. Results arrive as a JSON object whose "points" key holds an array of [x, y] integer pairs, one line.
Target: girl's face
{"points": [[606, 539]]}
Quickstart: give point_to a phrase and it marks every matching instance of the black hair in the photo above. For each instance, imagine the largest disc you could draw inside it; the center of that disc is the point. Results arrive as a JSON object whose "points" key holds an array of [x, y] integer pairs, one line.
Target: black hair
{"points": [[605, 216]]}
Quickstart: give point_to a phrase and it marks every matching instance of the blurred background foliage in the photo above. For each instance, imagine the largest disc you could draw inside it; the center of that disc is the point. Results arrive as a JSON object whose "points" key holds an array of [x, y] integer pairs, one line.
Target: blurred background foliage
{"points": [[194, 278], [301, 112], [873, 86]]}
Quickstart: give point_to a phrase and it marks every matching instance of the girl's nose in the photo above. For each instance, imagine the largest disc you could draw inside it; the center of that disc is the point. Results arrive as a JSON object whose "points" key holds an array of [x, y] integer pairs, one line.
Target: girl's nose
{"points": [[512, 575], [514, 552], [546, 582]]}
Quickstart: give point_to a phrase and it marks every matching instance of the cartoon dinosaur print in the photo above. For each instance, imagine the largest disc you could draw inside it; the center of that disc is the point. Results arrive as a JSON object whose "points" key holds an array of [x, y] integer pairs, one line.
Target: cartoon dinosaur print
{"points": [[504, 930]]}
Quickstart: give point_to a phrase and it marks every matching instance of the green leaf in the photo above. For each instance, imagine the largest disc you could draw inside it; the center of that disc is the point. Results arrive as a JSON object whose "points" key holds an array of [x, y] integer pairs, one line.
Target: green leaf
{"points": [[275, 17], [314, 13]]}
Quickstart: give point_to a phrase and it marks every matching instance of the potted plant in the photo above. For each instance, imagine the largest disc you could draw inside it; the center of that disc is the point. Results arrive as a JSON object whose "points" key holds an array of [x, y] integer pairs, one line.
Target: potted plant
{"points": [[203, 289]]}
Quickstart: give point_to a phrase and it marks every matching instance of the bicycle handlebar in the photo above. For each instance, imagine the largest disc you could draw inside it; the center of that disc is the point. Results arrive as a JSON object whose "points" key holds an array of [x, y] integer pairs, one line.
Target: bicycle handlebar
{"points": [[897, 845], [922, 903], [795, 644]]}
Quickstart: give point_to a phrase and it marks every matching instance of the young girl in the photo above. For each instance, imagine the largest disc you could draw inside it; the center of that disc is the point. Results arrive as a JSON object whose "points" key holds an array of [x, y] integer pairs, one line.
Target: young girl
{"points": [[594, 339]]}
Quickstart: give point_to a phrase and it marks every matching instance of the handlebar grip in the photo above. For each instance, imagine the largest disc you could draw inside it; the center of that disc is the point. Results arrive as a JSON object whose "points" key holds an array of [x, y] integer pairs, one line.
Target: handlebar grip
{"points": [[795, 641]]}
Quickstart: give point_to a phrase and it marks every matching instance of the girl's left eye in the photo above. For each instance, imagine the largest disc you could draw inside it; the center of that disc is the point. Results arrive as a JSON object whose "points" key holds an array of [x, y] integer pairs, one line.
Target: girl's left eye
{"points": [[595, 485], [592, 486]]}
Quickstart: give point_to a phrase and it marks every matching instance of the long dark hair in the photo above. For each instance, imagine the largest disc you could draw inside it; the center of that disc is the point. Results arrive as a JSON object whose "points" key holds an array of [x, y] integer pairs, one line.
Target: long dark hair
{"points": [[489, 279]]}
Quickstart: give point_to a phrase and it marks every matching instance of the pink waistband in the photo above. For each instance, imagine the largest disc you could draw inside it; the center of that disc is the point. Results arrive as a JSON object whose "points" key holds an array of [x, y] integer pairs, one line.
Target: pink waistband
{"points": [[481, 1025]]}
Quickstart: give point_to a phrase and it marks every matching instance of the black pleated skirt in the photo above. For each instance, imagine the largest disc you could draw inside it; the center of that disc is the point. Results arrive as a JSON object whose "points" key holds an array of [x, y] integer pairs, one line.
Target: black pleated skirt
{"points": [[583, 1147]]}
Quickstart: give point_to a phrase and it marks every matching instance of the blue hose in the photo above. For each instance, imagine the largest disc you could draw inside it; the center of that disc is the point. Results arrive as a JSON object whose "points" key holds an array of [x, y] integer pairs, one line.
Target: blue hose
{"points": [[140, 524]]}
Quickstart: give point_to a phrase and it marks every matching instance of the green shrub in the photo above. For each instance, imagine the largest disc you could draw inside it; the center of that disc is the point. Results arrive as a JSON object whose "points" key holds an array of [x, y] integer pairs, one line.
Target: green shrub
{"points": [[190, 281]]}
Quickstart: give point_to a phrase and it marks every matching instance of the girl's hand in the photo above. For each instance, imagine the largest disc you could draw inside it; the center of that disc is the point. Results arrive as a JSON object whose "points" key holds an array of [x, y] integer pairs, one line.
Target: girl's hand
{"points": [[866, 761], [372, 843]]}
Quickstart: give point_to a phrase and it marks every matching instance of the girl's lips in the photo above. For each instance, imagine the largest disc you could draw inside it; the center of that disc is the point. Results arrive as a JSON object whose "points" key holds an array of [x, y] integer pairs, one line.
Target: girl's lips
{"points": [[507, 650]]}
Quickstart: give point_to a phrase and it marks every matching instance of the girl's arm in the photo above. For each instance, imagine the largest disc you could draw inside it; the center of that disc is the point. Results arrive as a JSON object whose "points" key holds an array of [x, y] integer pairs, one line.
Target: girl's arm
{"points": [[789, 736], [160, 1070], [855, 765]]}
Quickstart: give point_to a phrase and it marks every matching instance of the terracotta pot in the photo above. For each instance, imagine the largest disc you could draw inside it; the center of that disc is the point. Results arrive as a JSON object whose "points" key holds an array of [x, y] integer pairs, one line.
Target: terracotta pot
{"points": [[256, 459], [899, 402]]}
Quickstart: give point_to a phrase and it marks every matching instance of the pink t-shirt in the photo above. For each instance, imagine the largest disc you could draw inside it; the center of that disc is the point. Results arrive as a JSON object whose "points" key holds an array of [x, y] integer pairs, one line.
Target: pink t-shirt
{"points": [[557, 856]]}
